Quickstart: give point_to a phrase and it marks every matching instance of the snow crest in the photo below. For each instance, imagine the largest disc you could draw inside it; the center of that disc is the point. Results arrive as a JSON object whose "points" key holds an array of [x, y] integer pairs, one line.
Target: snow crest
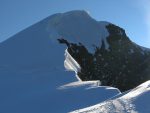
{"points": [[71, 65], [133, 101]]}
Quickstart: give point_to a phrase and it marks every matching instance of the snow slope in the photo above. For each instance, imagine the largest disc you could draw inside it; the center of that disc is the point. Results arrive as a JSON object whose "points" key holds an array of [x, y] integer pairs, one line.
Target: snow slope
{"points": [[134, 101], [32, 73]]}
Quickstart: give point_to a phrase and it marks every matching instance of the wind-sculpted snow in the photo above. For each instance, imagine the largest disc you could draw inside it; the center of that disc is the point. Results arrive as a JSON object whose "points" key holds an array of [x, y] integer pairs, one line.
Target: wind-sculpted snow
{"points": [[32, 74], [134, 101], [71, 65]]}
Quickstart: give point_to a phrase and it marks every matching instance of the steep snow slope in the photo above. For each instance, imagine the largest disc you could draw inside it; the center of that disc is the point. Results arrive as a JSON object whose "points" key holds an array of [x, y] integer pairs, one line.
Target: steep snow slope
{"points": [[32, 70], [134, 101]]}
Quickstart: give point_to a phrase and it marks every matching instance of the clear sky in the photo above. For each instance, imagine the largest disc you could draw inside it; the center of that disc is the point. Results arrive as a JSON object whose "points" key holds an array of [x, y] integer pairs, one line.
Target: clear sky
{"points": [[132, 15]]}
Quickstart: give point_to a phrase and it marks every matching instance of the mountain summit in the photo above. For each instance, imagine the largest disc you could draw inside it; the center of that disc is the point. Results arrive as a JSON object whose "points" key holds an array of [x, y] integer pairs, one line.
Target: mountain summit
{"points": [[78, 26]]}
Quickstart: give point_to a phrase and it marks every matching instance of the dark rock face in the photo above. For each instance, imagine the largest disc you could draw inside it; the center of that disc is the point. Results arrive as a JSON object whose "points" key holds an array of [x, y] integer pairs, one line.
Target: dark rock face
{"points": [[125, 65]]}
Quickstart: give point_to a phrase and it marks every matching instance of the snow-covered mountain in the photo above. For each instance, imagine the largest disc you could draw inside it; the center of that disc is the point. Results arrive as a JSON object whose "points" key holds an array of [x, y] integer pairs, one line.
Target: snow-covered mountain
{"points": [[117, 66], [103, 50], [34, 76]]}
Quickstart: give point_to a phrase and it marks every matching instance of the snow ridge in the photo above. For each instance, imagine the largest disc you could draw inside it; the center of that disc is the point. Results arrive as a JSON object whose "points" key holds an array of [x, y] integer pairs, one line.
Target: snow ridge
{"points": [[130, 102], [71, 65]]}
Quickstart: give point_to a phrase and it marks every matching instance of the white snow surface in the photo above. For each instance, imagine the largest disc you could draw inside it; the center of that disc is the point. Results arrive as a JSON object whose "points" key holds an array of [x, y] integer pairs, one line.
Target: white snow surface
{"points": [[71, 65], [92, 84], [133, 101], [78, 26], [32, 73]]}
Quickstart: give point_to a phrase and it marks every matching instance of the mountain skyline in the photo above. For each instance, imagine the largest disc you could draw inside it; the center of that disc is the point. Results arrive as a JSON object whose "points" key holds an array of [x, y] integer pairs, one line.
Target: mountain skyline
{"points": [[35, 68], [103, 50], [130, 15]]}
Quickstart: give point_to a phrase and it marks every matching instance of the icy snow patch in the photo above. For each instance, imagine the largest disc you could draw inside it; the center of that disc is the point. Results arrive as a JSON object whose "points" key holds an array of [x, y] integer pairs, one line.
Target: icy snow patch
{"points": [[90, 84]]}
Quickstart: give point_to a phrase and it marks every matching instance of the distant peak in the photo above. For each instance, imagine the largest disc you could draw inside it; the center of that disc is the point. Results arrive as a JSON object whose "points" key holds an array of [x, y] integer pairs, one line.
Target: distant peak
{"points": [[77, 12]]}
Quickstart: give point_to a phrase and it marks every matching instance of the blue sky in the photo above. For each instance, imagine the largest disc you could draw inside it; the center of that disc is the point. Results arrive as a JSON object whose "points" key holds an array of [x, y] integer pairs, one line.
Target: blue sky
{"points": [[132, 15]]}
